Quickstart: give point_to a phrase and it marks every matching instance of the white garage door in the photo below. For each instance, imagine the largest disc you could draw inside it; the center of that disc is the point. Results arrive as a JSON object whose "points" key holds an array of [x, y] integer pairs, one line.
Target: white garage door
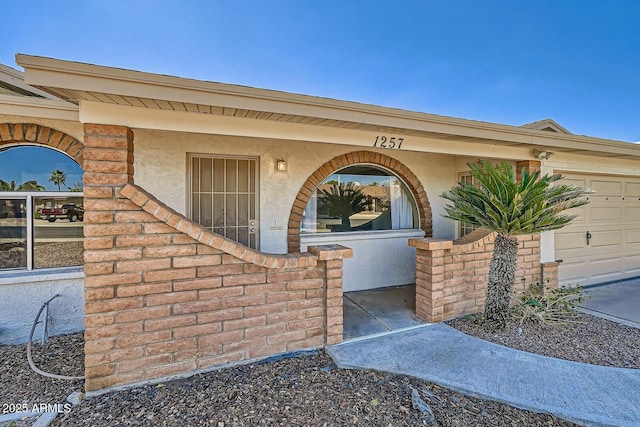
{"points": [[603, 242]]}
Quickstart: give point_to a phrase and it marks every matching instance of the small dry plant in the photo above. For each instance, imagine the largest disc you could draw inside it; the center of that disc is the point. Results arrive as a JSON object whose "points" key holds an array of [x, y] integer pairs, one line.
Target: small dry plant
{"points": [[547, 306]]}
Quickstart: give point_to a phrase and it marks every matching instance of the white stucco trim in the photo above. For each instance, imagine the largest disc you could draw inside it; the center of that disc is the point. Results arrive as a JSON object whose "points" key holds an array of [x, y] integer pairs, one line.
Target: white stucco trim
{"points": [[80, 81], [38, 107], [324, 238], [14, 277]]}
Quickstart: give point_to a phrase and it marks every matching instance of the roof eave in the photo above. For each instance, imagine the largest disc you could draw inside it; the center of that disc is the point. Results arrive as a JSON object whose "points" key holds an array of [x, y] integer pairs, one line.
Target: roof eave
{"points": [[68, 79]]}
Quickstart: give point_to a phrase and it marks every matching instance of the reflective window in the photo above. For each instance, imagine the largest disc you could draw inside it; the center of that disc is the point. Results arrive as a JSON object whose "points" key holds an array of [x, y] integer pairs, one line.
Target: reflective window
{"points": [[360, 198], [57, 231], [41, 209], [464, 227], [13, 233]]}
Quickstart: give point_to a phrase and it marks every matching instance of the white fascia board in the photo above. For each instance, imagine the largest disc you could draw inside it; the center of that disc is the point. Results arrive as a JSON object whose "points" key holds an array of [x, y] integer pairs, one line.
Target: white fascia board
{"points": [[54, 73], [46, 72], [179, 121], [38, 107], [16, 78]]}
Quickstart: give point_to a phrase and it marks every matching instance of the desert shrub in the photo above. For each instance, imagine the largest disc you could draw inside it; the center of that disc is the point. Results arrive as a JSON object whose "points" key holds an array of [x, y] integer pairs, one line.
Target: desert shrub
{"points": [[549, 307]]}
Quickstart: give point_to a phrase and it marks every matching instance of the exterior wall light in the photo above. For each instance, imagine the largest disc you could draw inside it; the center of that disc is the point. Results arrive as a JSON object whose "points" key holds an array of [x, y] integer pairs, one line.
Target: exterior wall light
{"points": [[281, 165], [542, 155]]}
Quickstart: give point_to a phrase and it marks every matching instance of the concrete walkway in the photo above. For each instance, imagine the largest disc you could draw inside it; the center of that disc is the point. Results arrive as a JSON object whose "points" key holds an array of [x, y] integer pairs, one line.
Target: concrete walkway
{"points": [[582, 393], [616, 301]]}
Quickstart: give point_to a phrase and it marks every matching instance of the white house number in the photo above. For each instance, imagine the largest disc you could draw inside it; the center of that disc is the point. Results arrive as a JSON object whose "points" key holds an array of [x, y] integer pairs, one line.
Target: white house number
{"points": [[383, 141]]}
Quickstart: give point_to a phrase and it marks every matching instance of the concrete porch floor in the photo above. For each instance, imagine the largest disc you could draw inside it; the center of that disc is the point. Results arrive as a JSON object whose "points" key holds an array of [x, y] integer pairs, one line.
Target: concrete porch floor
{"points": [[379, 310]]}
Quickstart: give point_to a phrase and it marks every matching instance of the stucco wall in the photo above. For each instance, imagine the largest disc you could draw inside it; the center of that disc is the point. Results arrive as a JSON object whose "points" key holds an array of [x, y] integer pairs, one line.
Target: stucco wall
{"points": [[22, 294], [380, 259], [161, 167]]}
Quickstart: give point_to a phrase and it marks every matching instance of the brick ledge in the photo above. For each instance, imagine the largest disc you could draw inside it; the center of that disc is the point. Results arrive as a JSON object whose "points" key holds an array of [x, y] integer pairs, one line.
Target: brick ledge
{"points": [[179, 222]]}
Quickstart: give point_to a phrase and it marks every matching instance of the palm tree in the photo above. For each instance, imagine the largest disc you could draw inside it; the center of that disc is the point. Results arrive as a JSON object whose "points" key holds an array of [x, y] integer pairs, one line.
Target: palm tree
{"points": [[25, 186], [343, 201], [58, 177], [500, 203], [77, 187]]}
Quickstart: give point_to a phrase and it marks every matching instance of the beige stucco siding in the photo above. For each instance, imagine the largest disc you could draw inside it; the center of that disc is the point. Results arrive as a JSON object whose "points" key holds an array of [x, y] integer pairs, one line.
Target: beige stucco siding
{"points": [[161, 168]]}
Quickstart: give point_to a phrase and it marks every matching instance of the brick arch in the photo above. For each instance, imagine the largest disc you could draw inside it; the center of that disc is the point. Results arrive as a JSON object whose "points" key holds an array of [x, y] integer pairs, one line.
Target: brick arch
{"points": [[342, 161], [33, 134]]}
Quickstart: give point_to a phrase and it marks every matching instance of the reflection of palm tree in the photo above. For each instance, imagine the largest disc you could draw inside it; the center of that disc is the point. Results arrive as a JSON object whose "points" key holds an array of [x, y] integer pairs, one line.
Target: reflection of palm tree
{"points": [[77, 187], [58, 177], [25, 186], [343, 201]]}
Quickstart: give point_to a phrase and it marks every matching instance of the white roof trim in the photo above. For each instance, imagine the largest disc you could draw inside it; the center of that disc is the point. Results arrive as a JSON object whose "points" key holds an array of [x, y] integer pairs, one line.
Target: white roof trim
{"points": [[78, 79], [16, 78], [545, 124], [37, 107]]}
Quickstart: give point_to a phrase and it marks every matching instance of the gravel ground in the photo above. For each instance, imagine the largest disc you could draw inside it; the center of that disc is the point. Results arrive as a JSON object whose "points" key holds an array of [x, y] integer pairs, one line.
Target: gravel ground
{"points": [[596, 341], [305, 390], [58, 254], [19, 385]]}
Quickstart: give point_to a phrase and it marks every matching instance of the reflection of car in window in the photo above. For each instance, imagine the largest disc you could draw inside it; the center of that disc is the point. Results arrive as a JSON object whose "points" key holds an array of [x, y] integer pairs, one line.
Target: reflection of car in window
{"points": [[69, 211]]}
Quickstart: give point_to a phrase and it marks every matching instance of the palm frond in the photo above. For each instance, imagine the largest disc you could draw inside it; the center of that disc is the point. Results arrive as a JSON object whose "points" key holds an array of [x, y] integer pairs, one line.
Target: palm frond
{"points": [[501, 203]]}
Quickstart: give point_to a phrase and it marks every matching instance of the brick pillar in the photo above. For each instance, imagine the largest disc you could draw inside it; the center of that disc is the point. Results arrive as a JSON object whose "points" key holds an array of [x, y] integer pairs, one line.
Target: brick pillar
{"points": [[430, 282], [529, 165], [549, 274], [332, 256], [108, 166], [334, 301]]}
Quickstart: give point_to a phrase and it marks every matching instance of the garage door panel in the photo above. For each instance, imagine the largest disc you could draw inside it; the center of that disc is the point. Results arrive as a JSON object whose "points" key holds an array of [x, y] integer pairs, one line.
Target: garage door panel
{"points": [[573, 272], [606, 214], [632, 236], [602, 239], [573, 180], [580, 215], [604, 270], [571, 241], [632, 189], [632, 265], [613, 219], [606, 187], [609, 276], [631, 213]]}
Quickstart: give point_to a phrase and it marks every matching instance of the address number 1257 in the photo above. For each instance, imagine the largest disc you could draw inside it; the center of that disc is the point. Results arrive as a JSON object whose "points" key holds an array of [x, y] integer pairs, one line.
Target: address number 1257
{"points": [[383, 141]]}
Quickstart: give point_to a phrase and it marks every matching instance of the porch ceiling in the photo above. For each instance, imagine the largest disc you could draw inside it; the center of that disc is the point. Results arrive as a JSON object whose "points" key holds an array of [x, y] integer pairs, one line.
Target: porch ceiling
{"points": [[75, 82]]}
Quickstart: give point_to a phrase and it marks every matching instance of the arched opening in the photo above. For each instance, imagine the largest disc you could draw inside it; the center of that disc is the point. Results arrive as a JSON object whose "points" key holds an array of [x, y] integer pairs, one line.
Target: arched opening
{"points": [[374, 205], [360, 198], [353, 158], [41, 199]]}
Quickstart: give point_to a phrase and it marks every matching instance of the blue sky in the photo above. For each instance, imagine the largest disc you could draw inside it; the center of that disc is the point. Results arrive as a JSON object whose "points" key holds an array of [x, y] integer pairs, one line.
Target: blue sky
{"points": [[511, 62], [23, 164]]}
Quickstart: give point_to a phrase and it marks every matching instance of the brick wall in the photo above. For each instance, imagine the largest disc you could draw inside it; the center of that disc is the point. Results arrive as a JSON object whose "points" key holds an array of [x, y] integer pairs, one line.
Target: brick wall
{"points": [[165, 296], [452, 276]]}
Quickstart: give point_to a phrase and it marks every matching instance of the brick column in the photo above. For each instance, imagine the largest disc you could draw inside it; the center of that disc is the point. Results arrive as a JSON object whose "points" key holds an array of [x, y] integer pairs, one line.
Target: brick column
{"points": [[332, 256], [529, 165], [108, 165], [549, 274], [430, 282]]}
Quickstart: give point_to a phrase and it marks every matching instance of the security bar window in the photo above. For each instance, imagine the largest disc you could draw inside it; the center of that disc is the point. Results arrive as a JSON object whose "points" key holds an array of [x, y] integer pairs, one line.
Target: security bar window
{"points": [[223, 196]]}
